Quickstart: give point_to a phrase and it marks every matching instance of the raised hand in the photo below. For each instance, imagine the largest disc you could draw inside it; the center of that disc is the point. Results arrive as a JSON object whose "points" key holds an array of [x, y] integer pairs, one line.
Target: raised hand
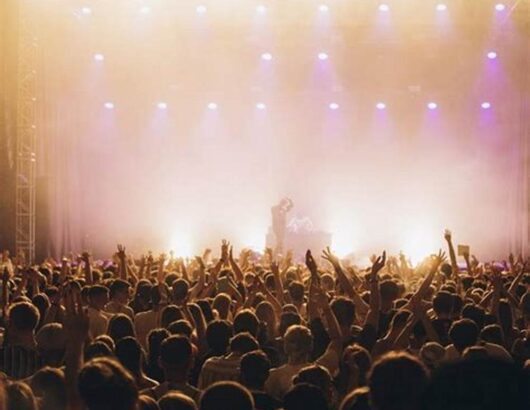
{"points": [[121, 252], [330, 257], [200, 262], [448, 235], [275, 268], [439, 258], [224, 250], [310, 263], [76, 322], [378, 264]]}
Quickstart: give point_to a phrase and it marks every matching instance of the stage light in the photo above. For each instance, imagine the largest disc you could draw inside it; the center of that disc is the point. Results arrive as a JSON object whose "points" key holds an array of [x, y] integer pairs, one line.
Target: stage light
{"points": [[86, 11], [99, 57], [145, 10], [109, 105], [323, 8], [441, 7], [322, 56], [261, 106], [261, 9], [266, 56], [492, 55], [212, 106], [201, 9], [432, 106], [384, 7], [485, 105], [333, 106], [162, 105], [380, 106], [500, 7]]}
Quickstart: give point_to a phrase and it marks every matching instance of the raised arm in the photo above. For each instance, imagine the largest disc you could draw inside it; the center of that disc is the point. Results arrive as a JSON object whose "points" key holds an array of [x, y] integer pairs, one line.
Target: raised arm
{"points": [[278, 285], [196, 290], [87, 269], [452, 255], [235, 267], [122, 258], [375, 298]]}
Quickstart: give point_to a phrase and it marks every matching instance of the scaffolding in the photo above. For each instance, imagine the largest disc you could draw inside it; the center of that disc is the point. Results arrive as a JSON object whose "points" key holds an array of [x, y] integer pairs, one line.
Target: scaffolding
{"points": [[26, 145]]}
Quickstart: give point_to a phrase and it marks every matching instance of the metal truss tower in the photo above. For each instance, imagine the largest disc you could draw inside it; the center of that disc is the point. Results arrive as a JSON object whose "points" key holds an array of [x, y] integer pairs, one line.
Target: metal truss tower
{"points": [[26, 145]]}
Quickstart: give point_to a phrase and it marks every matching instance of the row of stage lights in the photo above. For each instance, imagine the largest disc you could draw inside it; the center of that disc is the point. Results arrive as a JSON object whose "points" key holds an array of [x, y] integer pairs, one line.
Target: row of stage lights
{"points": [[323, 8], [213, 106]]}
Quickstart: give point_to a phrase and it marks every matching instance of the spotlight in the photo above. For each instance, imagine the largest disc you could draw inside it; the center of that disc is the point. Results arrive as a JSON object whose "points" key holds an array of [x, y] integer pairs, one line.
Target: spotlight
{"points": [[333, 106], [86, 11], [322, 56], [261, 9], [201, 9], [99, 57], [261, 106], [485, 105], [323, 8], [212, 106], [500, 7], [492, 55], [162, 105], [441, 7], [380, 106], [109, 105], [145, 10], [432, 106], [384, 7], [266, 56]]}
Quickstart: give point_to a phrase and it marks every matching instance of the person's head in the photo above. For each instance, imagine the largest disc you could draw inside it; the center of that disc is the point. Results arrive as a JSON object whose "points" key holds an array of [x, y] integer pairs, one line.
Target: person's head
{"points": [[97, 349], [492, 334], [254, 367], [359, 399], [170, 314], [218, 334], [130, 354], [243, 343], [107, 340], [48, 385], [298, 343], [505, 315], [98, 296], [181, 327], [154, 340], [42, 303], [246, 321], [226, 396], [176, 401], [474, 312], [265, 312], [397, 382], [463, 333], [19, 396], [432, 354], [357, 356], [179, 290], [296, 291], [23, 317], [389, 292], [51, 343], [176, 356], [318, 376], [328, 283], [305, 396], [147, 403], [288, 319], [399, 321], [221, 304], [442, 304], [155, 295], [120, 326], [119, 291], [344, 310], [104, 384]]}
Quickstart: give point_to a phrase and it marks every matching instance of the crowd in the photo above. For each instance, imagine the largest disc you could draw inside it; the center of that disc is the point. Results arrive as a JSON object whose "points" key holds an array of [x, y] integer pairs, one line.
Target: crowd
{"points": [[263, 331]]}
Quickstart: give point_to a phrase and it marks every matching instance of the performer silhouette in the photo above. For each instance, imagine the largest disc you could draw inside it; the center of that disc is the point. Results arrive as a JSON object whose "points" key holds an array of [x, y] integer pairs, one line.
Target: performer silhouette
{"points": [[279, 223]]}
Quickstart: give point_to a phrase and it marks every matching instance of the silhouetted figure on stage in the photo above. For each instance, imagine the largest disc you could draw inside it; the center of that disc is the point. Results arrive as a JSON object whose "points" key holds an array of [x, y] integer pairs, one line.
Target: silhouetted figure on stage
{"points": [[279, 222]]}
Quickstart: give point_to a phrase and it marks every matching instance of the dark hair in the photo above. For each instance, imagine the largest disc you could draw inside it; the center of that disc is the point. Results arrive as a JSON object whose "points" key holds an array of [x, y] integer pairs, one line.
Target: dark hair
{"points": [[315, 375], [118, 285], [443, 303], [105, 385], [226, 396], [397, 381], [120, 326], [23, 316], [147, 403], [130, 354], [176, 351], [97, 349], [246, 321], [180, 327], [180, 289], [20, 397], [389, 290], [170, 314], [176, 401], [463, 333], [255, 367], [344, 310], [206, 309], [49, 385], [475, 313], [492, 334], [218, 334], [305, 396], [243, 343], [97, 290], [296, 291], [288, 319], [154, 341]]}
